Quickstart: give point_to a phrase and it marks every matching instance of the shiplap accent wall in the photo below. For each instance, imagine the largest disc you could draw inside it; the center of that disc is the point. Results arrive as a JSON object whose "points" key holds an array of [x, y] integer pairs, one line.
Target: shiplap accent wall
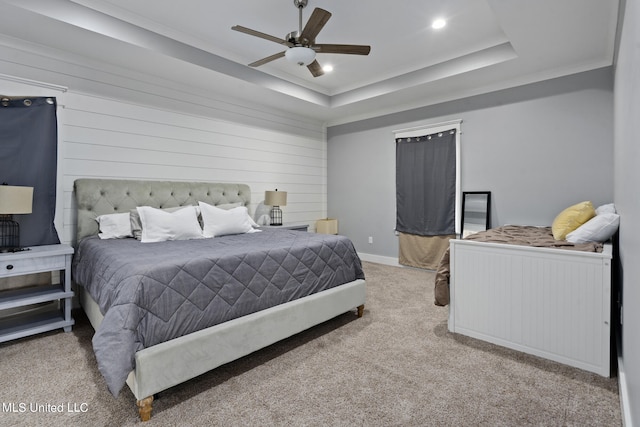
{"points": [[110, 139], [104, 137]]}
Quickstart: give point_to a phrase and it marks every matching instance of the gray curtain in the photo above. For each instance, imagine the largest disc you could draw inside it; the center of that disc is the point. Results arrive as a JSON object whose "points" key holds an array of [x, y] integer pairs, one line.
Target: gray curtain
{"points": [[28, 157], [426, 184]]}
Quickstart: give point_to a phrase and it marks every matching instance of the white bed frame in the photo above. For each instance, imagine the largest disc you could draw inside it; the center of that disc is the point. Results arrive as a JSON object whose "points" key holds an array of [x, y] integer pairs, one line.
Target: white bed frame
{"points": [[551, 303], [173, 362]]}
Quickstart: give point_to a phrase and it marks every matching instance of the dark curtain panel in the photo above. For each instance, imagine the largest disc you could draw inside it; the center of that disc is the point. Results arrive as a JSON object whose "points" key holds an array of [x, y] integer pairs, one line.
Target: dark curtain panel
{"points": [[426, 184], [29, 157]]}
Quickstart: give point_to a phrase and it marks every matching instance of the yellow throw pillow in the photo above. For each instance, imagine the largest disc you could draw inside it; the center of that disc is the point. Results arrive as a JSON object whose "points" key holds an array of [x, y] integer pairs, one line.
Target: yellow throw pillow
{"points": [[571, 218]]}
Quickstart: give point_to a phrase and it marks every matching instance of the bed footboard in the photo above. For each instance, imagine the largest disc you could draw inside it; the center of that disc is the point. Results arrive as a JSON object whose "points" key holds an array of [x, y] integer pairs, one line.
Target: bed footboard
{"points": [[550, 303], [173, 362]]}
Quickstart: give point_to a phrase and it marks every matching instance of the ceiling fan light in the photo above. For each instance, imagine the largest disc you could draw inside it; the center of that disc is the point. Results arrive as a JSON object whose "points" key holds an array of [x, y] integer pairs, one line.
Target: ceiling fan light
{"points": [[438, 23], [300, 55]]}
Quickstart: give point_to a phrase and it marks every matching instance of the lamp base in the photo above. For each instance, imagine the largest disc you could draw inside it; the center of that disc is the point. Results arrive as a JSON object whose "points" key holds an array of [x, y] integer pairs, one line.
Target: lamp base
{"points": [[9, 233], [275, 216]]}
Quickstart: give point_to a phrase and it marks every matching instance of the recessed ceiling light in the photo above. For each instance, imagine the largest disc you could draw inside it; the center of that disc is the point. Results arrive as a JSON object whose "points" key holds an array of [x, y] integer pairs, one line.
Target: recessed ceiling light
{"points": [[438, 23], [327, 68]]}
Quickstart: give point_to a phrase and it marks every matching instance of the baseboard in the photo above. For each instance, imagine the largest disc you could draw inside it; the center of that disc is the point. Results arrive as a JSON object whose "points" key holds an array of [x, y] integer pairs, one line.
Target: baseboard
{"points": [[379, 259], [623, 391], [623, 388]]}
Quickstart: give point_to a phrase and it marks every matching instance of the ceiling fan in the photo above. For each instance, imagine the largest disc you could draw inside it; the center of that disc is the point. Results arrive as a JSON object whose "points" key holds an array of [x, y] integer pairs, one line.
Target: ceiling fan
{"points": [[302, 46]]}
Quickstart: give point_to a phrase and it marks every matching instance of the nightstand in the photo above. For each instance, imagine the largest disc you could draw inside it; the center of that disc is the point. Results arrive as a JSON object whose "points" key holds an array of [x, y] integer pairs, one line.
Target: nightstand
{"points": [[34, 320], [297, 227]]}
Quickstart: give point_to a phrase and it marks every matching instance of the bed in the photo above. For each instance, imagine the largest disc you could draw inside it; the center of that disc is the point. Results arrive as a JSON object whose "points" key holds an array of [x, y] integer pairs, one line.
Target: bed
{"points": [[550, 300], [166, 311]]}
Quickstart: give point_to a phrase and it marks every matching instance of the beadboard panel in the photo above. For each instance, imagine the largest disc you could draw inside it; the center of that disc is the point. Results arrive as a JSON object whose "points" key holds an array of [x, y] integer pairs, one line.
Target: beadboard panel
{"points": [[572, 327]]}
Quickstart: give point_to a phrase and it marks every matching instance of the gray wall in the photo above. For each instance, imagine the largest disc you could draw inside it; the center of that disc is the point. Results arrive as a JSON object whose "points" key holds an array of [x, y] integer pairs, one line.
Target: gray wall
{"points": [[627, 199], [538, 148]]}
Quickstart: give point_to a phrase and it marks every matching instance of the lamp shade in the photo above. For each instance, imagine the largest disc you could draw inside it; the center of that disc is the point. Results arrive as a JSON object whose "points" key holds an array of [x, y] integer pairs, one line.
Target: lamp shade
{"points": [[15, 200], [327, 226], [300, 55], [275, 198]]}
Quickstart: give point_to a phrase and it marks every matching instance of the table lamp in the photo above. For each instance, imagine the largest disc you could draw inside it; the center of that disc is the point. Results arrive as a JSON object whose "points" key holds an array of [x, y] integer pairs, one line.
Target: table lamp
{"points": [[327, 226], [275, 199], [13, 200]]}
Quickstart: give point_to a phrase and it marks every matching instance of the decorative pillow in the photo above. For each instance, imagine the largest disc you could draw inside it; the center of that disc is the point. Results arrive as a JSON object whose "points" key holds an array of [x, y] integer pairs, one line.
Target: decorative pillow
{"points": [[600, 228], [220, 222], [608, 208], [159, 225], [571, 218], [114, 226], [136, 225]]}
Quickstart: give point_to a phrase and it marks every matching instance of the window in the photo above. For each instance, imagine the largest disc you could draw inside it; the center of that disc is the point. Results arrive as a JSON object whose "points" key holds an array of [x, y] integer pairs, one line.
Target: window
{"points": [[428, 179]]}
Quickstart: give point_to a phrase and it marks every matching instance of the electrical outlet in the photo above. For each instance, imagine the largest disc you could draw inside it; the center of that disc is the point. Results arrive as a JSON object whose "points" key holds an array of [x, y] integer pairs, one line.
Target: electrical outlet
{"points": [[370, 239]]}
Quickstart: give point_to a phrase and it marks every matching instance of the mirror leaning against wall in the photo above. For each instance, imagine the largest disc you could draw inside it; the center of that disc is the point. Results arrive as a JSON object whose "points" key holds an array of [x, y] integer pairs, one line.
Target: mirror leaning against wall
{"points": [[476, 209]]}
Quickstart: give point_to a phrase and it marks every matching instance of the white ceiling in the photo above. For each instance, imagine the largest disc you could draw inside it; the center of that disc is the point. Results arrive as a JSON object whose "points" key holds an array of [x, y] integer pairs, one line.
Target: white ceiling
{"points": [[487, 45]]}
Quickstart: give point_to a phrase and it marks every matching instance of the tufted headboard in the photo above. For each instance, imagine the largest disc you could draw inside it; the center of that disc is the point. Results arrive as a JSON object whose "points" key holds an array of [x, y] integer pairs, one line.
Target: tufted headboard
{"points": [[96, 197]]}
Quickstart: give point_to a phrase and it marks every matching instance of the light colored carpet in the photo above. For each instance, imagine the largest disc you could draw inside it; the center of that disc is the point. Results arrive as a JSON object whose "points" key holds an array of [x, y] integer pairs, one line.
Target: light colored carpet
{"points": [[396, 366]]}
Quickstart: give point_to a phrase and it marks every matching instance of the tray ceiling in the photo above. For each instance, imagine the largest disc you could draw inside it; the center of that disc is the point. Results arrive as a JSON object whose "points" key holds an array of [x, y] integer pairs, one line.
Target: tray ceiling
{"points": [[486, 45]]}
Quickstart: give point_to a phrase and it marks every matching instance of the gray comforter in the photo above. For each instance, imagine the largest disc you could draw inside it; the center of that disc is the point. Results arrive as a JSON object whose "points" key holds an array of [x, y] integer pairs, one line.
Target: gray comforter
{"points": [[153, 292]]}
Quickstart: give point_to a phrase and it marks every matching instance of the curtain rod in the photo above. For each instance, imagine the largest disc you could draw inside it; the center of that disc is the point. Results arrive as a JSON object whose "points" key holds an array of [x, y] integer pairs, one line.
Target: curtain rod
{"points": [[441, 124]]}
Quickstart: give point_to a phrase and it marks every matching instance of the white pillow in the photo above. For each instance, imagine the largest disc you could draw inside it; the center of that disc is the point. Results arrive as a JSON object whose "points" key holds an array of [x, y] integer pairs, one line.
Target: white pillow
{"points": [[159, 225], [220, 222], [600, 228], [136, 225], [228, 206], [608, 208], [114, 226]]}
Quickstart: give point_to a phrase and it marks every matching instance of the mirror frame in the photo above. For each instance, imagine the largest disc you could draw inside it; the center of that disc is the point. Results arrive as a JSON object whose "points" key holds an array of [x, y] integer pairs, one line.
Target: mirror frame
{"points": [[487, 211]]}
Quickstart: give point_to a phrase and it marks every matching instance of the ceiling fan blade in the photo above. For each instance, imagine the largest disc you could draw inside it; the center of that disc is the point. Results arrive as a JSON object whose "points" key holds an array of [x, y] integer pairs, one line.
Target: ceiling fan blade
{"points": [[267, 59], [315, 69], [350, 49], [318, 19], [261, 35]]}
